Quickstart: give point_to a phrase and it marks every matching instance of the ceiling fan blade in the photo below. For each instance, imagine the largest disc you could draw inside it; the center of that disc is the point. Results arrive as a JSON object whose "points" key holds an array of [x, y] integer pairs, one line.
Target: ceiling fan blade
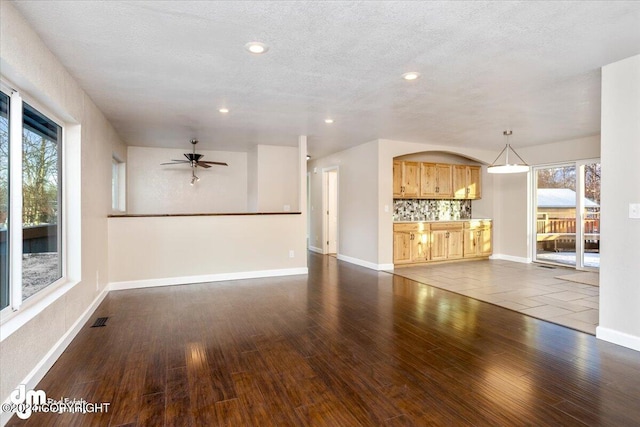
{"points": [[178, 162], [214, 163], [202, 164]]}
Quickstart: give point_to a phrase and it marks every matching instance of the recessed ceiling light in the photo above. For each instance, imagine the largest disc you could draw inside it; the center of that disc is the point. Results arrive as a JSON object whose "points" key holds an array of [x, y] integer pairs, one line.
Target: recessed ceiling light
{"points": [[412, 75], [328, 121], [256, 47], [224, 110]]}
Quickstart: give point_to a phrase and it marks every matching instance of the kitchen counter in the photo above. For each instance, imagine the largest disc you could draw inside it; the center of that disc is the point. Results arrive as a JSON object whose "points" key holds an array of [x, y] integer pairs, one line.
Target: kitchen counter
{"points": [[444, 220]]}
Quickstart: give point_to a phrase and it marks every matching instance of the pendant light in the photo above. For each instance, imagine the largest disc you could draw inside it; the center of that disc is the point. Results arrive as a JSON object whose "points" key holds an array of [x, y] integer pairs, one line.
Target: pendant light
{"points": [[507, 167]]}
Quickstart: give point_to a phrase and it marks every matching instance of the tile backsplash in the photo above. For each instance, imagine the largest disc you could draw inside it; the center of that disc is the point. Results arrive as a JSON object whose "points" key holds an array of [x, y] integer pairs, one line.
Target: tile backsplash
{"points": [[431, 210]]}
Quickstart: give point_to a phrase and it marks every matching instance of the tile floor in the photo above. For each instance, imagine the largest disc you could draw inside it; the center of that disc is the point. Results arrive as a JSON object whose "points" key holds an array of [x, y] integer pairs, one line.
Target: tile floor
{"points": [[527, 288]]}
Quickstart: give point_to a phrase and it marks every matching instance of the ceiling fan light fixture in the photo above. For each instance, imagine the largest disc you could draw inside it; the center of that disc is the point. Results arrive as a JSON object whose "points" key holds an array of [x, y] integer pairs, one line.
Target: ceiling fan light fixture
{"points": [[194, 160], [506, 167], [194, 177], [256, 48]]}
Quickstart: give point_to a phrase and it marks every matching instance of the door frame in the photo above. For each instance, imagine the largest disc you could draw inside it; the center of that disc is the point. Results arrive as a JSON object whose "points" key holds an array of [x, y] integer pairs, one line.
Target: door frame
{"points": [[579, 189], [325, 207], [580, 165]]}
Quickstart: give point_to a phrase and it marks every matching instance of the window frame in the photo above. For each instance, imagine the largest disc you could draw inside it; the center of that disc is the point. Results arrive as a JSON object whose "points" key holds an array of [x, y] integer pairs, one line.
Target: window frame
{"points": [[17, 306], [118, 191]]}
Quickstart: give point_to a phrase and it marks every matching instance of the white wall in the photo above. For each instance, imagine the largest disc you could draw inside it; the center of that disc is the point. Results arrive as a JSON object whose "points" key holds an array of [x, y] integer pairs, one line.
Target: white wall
{"points": [[160, 189], [189, 249], [364, 224], [357, 202], [511, 227], [27, 62], [204, 248], [365, 187], [274, 182], [620, 247]]}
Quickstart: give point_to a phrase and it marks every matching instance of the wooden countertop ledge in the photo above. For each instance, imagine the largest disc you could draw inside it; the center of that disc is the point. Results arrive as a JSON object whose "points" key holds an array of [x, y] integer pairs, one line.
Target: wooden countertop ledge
{"points": [[200, 214]]}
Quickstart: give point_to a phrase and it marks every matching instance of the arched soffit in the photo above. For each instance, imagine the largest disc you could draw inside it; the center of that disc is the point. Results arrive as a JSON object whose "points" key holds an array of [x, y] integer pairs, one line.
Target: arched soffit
{"points": [[438, 155]]}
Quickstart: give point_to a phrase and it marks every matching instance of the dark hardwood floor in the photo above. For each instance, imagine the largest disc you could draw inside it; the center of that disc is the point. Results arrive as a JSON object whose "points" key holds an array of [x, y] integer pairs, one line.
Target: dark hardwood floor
{"points": [[345, 346]]}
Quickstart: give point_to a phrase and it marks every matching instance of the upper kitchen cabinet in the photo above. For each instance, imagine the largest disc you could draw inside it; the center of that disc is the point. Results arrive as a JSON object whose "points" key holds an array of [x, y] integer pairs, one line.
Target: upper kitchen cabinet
{"points": [[406, 179], [466, 182], [435, 181]]}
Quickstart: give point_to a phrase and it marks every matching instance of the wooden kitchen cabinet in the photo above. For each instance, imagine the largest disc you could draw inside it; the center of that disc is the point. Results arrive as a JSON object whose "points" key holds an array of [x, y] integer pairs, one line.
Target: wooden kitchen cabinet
{"points": [[435, 181], [410, 243], [423, 180], [420, 242], [466, 182], [406, 179], [446, 241], [477, 239]]}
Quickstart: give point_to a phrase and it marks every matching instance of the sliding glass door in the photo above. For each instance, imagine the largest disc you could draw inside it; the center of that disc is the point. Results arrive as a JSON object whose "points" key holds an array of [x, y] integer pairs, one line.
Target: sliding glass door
{"points": [[567, 214], [590, 173]]}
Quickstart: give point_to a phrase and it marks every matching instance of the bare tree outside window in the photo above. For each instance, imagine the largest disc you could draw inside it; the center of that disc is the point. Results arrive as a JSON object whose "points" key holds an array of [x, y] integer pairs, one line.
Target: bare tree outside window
{"points": [[41, 195]]}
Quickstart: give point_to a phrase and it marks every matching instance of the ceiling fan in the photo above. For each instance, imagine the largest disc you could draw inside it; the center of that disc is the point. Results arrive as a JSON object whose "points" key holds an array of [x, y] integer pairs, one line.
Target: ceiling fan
{"points": [[193, 159]]}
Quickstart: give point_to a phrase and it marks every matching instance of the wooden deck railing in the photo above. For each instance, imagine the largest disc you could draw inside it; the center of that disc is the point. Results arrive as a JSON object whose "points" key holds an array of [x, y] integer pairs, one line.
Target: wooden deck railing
{"points": [[566, 226], [560, 234]]}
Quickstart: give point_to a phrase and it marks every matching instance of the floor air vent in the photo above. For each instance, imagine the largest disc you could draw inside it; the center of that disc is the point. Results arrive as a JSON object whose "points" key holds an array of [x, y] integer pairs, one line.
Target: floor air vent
{"points": [[100, 321], [547, 266]]}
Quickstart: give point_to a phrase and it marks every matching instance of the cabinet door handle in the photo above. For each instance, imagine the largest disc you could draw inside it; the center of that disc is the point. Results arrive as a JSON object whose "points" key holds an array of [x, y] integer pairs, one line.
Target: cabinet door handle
{"points": [[412, 236]]}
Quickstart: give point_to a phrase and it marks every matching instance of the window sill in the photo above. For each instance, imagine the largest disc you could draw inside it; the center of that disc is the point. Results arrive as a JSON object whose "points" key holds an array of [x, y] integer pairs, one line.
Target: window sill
{"points": [[11, 321]]}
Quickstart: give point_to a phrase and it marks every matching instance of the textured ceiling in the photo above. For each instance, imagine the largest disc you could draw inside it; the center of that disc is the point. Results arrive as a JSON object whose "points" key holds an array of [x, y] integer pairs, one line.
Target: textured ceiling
{"points": [[160, 70]]}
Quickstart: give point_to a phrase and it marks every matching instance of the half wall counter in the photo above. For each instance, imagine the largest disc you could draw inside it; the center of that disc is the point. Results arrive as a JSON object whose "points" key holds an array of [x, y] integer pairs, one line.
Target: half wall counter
{"points": [[168, 249]]}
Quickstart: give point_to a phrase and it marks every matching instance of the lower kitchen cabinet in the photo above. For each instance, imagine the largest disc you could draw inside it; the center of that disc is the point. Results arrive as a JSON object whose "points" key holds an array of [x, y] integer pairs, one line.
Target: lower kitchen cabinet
{"points": [[477, 239], [446, 241], [420, 242], [410, 243]]}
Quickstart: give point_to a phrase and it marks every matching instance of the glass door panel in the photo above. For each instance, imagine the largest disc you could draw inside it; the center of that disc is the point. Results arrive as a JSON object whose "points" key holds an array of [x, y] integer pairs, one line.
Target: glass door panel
{"points": [[591, 215], [555, 214]]}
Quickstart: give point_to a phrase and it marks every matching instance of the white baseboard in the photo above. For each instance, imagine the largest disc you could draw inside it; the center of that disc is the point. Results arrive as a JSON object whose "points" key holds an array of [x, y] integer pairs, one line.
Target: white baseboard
{"points": [[522, 260], [185, 280], [617, 337], [314, 249], [38, 372], [363, 263]]}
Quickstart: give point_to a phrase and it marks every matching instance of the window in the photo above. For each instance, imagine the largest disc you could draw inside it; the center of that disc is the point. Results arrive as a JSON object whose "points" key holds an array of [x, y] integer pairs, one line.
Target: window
{"points": [[4, 200], [118, 177], [41, 201], [31, 256]]}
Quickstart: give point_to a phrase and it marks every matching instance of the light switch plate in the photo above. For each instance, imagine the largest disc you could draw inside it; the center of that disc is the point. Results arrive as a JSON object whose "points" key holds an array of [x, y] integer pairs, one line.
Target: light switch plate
{"points": [[634, 210]]}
